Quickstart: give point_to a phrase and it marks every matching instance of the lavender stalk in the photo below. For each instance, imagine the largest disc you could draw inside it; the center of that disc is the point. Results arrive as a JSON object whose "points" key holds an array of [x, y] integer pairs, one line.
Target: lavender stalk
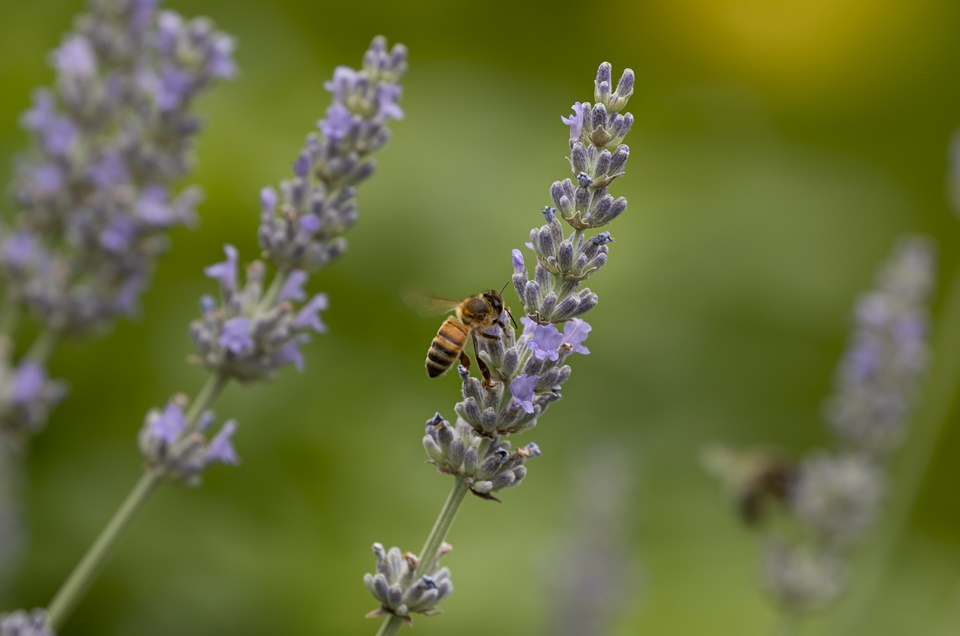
{"points": [[95, 197], [254, 329], [830, 499], [522, 374]]}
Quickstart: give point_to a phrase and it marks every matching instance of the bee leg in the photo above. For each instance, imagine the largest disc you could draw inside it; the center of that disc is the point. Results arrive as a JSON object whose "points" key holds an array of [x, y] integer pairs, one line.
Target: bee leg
{"points": [[489, 382], [464, 359], [488, 336]]}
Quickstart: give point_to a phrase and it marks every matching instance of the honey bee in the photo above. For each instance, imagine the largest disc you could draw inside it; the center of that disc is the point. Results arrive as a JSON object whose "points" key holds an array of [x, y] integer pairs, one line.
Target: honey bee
{"points": [[474, 316]]}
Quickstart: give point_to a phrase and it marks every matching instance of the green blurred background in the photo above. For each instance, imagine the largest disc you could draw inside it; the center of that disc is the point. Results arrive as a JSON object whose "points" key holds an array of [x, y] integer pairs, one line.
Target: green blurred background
{"points": [[779, 149]]}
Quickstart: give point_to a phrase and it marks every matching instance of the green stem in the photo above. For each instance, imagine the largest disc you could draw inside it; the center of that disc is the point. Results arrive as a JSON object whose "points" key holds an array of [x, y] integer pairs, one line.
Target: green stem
{"points": [[428, 555], [205, 398], [272, 292], [929, 424], [86, 571], [83, 575]]}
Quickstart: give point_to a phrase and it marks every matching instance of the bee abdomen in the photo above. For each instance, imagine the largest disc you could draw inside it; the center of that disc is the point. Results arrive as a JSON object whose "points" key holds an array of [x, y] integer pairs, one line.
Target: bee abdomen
{"points": [[446, 347]]}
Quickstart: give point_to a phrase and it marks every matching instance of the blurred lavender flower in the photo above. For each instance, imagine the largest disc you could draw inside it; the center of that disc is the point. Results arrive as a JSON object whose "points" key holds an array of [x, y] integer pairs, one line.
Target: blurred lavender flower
{"points": [[400, 591], [590, 574], [175, 451], [26, 396], [22, 623], [96, 196], [254, 330], [879, 374], [833, 497]]}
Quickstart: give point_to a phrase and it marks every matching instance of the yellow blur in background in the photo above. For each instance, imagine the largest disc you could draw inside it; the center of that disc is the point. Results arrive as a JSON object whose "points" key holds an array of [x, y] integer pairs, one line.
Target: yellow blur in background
{"points": [[779, 149]]}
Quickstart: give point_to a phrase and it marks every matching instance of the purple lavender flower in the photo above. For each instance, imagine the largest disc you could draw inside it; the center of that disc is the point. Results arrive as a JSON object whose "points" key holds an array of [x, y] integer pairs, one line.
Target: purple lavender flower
{"points": [[27, 394], [236, 336], [169, 424], [110, 138], [879, 374], [178, 450], [399, 592], [546, 340], [574, 333], [522, 389], [23, 623], [319, 204], [260, 328]]}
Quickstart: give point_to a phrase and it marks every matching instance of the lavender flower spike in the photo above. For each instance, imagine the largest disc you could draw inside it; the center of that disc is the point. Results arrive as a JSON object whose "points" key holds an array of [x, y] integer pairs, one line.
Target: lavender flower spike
{"points": [[524, 373], [110, 139], [880, 372], [257, 329]]}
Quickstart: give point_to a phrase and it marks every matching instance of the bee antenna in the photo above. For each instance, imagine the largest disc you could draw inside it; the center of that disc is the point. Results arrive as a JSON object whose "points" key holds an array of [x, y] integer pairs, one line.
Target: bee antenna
{"points": [[504, 286]]}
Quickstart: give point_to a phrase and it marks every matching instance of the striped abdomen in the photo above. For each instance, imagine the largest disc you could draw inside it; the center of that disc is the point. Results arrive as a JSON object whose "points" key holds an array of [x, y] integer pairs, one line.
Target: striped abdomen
{"points": [[446, 347]]}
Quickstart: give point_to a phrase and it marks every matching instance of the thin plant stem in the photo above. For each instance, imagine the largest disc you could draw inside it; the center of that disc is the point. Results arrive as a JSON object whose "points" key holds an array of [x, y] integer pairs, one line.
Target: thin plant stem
{"points": [[86, 571], [83, 575], [391, 625], [930, 424], [272, 291]]}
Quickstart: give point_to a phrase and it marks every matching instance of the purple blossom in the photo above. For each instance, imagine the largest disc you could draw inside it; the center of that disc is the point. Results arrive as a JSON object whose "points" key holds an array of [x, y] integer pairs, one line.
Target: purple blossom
{"points": [[153, 206], [387, 107], [168, 425], [546, 341], [290, 352], [268, 200], [337, 123], [48, 179], [309, 224], [109, 171], [173, 89], [529, 326], [518, 265], [574, 333], [344, 81], [220, 61], [225, 272], [522, 389], [301, 167], [236, 336], [293, 286], [118, 235], [221, 448], [309, 314], [75, 58], [28, 382], [575, 121], [19, 249]]}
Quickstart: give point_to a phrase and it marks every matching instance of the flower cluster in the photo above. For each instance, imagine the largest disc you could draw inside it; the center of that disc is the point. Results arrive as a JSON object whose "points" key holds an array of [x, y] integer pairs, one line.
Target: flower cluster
{"points": [[96, 195], [178, 450], [523, 373], [254, 329], [457, 451], [111, 138], [834, 495], [27, 395], [304, 230], [23, 623], [400, 591]]}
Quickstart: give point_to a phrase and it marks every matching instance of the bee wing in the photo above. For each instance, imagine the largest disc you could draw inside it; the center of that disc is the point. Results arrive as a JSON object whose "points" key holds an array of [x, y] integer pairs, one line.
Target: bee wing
{"points": [[429, 304]]}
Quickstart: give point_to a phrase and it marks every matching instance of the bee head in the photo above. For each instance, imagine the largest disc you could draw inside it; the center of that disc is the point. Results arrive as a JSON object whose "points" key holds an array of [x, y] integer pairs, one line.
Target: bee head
{"points": [[495, 300]]}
